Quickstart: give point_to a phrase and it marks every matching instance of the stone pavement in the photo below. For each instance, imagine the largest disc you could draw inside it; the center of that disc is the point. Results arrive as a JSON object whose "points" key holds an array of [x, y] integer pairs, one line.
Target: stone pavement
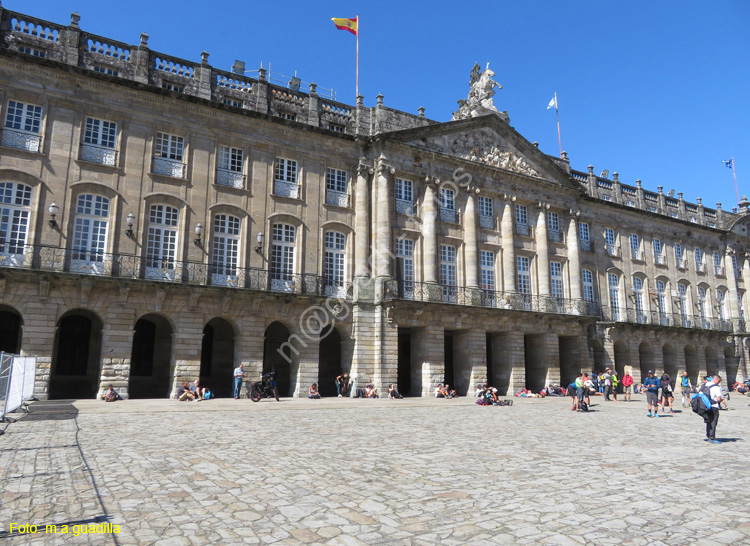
{"points": [[353, 472]]}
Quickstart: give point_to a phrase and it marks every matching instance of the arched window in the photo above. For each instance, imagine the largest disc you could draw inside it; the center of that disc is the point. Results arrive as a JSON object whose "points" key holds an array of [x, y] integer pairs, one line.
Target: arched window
{"points": [[225, 255], [334, 263], [90, 234], [161, 246], [15, 208], [283, 237]]}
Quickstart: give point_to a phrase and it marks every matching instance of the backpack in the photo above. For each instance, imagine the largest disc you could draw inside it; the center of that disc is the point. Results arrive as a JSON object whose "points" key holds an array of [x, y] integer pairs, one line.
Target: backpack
{"points": [[701, 401], [208, 395]]}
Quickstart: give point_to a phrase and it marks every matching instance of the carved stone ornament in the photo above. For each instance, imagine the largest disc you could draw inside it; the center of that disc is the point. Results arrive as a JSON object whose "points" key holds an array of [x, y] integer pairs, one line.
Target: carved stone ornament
{"points": [[481, 90]]}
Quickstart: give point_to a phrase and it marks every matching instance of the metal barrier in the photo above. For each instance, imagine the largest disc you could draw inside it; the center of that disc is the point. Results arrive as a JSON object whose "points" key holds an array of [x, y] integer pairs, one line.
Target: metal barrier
{"points": [[17, 375]]}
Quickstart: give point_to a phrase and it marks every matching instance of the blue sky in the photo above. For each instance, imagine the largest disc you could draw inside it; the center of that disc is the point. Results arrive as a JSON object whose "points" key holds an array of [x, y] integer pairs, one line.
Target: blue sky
{"points": [[656, 90]]}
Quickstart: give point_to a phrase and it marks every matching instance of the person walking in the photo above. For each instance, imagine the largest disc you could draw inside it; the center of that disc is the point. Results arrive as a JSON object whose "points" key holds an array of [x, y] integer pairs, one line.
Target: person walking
{"points": [[607, 384], [239, 374], [712, 417], [652, 393], [687, 389], [627, 385], [615, 384]]}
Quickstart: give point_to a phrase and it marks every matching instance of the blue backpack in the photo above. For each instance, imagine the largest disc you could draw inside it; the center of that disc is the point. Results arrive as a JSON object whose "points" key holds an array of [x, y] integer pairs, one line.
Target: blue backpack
{"points": [[701, 401], [208, 395]]}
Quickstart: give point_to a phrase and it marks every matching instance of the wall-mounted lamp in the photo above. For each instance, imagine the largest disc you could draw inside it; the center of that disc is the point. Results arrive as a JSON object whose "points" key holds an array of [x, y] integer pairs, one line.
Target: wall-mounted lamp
{"points": [[130, 220], [53, 210], [198, 234], [259, 246]]}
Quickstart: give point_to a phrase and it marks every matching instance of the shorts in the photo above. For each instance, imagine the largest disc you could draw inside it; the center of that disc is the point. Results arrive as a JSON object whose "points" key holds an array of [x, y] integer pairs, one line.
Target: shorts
{"points": [[571, 391], [628, 390], [686, 391], [667, 395], [652, 398]]}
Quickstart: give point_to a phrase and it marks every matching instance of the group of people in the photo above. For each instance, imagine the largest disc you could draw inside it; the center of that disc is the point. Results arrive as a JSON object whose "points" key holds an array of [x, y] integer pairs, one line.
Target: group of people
{"points": [[445, 391], [194, 391]]}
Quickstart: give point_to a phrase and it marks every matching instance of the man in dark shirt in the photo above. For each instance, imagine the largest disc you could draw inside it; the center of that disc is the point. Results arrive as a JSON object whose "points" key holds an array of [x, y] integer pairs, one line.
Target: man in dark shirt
{"points": [[184, 393], [652, 393]]}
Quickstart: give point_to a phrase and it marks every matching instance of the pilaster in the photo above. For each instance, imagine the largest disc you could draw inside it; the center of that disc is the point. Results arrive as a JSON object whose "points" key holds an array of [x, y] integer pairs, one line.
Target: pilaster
{"points": [[383, 251], [470, 240], [429, 232], [509, 251], [542, 249], [362, 222], [574, 256]]}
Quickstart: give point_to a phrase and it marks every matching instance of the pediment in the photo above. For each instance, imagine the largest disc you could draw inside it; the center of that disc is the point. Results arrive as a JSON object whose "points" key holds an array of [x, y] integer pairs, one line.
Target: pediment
{"points": [[488, 141]]}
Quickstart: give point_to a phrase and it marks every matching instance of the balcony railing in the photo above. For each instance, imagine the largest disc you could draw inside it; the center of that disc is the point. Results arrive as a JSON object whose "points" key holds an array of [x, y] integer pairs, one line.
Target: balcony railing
{"points": [[99, 154], [660, 259], [448, 215], [233, 179], [169, 167], [286, 189], [125, 266], [31, 142], [405, 207], [476, 297], [674, 320], [636, 254], [682, 263], [523, 229], [587, 245], [718, 270], [486, 222], [613, 250], [700, 267], [337, 198]]}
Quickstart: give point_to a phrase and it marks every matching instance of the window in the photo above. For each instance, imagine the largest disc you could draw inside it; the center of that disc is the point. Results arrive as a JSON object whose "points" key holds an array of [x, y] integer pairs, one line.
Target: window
{"points": [[639, 307], [588, 285], [614, 295], [556, 284], [682, 292], [225, 251], [635, 246], [652, 209], [233, 102], [678, 256], [336, 128], [15, 208], [606, 198], [32, 51], [718, 265], [99, 142], [333, 264], [486, 214], [524, 280], [90, 234], [285, 178], [553, 227], [288, 115], [447, 205], [161, 246], [702, 307], [282, 257], [584, 235], [22, 126], [168, 154], [661, 302], [720, 304], [522, 220], [106, 70], [404, 197], [448, 273], [630, 203], [405, 262], [735, 266], [609, 235], [659, 257], [230, 167], [487, 266], [336, 187], [699, 265], [171, 86]]}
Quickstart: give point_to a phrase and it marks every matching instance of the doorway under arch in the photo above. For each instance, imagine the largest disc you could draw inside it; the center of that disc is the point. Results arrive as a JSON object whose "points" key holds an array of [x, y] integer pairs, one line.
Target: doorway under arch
{"points": [[691, 364], [151, 358], [329, 361], [217, 358], [670, 361], [277, 335], [10, 330], [712, 362], [646, 359], [76, 356]]}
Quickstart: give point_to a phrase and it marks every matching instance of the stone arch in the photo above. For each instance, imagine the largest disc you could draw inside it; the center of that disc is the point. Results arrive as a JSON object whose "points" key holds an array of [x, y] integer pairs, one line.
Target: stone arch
{"points": [[691, 363], [11, 327], [151, 357], [622, 359], [329, 361], [217, 357], [76, 355], [712, 362], [646, 358], [669, 358], [277, 355]]}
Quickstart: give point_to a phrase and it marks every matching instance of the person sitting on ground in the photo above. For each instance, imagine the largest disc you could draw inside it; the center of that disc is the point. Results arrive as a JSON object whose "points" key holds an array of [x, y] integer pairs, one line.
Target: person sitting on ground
{"points": [[450, 393], [342, 385], [184, 394], [198, 390], [312, 392], [490, 389], [371, 391], [110, 395], [479, 391], [393, 393], [439, 391]]}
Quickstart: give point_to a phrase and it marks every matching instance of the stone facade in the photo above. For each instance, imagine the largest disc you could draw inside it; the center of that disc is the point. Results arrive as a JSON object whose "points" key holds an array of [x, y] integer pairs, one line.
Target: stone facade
{"points": [[166, 221]]}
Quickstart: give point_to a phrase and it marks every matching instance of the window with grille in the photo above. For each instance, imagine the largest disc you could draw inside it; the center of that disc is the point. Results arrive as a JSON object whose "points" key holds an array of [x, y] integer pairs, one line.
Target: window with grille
{"points": [[282, 255], [23, 117], [285, 170], [448, 277], [226, 245], [161, 246], [656, 243], [661, 297], [609, 235], [15, 208], [635, 246], [487, 265], [638, 294], [553, 221], [588, 285], [231, 159], [100, 132], [678, 254], [524, 277], [169, 146], [334, 260], [405, 264], [336, 180], [556, 280], [447, 199], [90, 231], [522, 214], [702, 302], [614, 295]]}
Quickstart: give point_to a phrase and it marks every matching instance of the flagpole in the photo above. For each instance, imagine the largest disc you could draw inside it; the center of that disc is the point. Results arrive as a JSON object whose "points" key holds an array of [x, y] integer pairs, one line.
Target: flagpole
{"points": [[557, 114], [357, 86], [735, 181]]}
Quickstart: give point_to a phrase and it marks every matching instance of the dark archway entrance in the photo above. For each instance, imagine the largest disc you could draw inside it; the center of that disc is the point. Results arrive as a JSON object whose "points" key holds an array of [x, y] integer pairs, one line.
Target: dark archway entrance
{"points": [[76, 356], [691, 364], [329, 359], [10, 331], [712, 364], [535, 362], [646, 358], [570, 362], [449, 372], [597, 351], [151, 358], [732, 363], [622, 359], [276, 335], [670, 361], [217, 358], [404, 361]]}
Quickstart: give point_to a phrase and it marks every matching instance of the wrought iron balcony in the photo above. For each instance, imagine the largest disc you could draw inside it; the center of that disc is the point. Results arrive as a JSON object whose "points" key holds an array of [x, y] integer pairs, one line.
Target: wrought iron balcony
{"points": [[337, 198], [613, 250], [99, 154], [660, 259], [476, 297], [150, 268], [286, 189], [233, 179], [169, 167], [674, 320], [31, 142], [587, 245], [719, 270], [405, 207], [448, 215], [486, 222], [523, 229], [555, 236]]}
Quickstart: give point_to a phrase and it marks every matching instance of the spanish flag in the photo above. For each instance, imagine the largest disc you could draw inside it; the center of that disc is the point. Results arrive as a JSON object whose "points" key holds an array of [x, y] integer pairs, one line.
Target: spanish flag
{"points": [[346, 24]]}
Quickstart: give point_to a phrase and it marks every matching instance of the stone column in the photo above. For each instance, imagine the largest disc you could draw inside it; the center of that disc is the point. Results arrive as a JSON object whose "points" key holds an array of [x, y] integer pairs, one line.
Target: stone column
{"points": [[307, 369], [509, 251], [362, 223], [427, 360], [471, 368], [470, 242], [38, 339], [117, 347], [552, 356], [383, 250], [429, 233], [542, 250], [734, 312], [574, 257], [186, 350]]}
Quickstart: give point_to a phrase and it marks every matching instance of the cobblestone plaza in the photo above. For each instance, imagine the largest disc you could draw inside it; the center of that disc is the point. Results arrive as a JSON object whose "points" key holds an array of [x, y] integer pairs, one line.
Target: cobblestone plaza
{"points": [[352, 472]]}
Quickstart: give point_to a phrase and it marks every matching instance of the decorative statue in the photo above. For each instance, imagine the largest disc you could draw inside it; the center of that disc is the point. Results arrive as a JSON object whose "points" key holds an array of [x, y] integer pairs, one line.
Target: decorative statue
{"points": [[481, 91]]}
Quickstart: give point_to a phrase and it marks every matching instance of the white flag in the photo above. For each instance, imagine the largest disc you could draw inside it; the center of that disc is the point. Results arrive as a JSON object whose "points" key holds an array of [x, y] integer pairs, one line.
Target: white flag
{"points": [[552, 103]]}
